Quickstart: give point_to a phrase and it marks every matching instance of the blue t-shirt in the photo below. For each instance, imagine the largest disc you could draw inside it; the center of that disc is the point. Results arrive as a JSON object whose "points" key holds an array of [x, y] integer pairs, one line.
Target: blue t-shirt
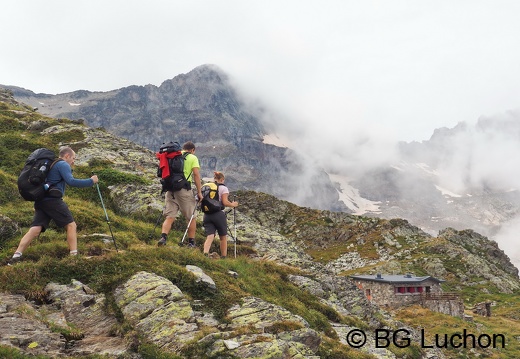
{"points": [[61, 174]]}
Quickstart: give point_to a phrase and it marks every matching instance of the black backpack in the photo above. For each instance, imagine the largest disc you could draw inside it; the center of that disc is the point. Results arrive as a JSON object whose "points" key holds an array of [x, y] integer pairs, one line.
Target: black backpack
{"points": [[176, 180], [32, 178], [210, 201]]}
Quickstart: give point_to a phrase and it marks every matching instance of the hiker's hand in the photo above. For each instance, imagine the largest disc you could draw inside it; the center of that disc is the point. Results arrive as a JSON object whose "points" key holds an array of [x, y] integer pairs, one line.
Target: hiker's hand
{"points": [[94, 178], [235, 203], [199, 196]]}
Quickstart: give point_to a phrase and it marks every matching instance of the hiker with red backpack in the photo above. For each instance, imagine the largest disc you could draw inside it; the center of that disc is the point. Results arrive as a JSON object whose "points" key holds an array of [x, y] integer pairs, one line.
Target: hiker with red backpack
{"points": [[179, 169], [52, 206]]}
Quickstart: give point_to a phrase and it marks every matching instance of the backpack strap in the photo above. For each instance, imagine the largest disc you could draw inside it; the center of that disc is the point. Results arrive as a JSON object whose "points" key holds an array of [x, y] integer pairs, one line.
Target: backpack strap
{"points": [[185, 154], [52, 165], [218, 185], [55, 161]]}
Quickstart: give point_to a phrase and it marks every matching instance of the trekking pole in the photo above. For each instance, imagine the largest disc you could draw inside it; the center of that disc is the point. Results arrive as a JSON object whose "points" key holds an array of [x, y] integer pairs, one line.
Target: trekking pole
{"points": [[235, 226], [157, 223], [106, 216], [158, 220], [189, 223]]}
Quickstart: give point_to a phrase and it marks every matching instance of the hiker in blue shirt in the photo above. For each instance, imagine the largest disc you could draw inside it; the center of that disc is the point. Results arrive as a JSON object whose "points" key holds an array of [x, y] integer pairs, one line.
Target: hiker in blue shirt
{"points": [[53, 207]]}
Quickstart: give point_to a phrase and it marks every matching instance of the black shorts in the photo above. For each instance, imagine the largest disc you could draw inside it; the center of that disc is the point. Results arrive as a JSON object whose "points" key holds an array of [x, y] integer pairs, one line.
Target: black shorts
{"points": [[54, 209], [215, 222]]}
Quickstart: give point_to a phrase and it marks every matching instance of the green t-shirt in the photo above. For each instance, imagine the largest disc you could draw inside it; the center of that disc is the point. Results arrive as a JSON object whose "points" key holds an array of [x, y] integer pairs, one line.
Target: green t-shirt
{"points": [[190, 163]]}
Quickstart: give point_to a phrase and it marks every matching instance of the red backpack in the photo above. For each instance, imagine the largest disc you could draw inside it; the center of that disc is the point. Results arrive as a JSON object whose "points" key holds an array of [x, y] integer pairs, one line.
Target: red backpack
{"points": [[171, 167]]}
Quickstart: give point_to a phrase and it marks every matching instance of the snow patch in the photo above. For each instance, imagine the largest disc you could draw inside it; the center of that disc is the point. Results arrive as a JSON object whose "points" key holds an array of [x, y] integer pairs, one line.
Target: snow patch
{"points": [[274, 140], [426, 168], [446, 192], [350, 196], [74, 104]]}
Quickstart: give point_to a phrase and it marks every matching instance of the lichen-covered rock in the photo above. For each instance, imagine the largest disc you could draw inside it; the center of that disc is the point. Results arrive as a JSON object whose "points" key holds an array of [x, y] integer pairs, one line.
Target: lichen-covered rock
{"points": [[264, 339], [158, 310], [269, 347], [260, 314], [202, 277], [143, 293], [79, 306], [24, 332], [75, 308]]}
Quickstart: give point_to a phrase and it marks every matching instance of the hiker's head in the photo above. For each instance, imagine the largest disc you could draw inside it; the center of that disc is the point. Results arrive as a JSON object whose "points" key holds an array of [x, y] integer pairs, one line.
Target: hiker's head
{"points": [[218, 177], [189, 147], [67, 154]]}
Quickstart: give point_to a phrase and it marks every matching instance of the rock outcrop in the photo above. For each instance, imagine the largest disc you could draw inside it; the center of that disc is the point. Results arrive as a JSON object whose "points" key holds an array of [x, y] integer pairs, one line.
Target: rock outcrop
{"points": [[158, 311]]}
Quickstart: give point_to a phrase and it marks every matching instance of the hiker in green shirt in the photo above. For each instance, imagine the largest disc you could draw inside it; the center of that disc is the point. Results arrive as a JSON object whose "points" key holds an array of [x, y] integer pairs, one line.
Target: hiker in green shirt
{"points": [[183, 200]]}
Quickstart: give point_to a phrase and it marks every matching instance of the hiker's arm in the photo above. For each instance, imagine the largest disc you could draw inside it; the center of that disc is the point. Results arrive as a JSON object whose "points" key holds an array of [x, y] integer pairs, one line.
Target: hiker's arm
{"points": [[225, 201], [196, 179], [66, 174]]}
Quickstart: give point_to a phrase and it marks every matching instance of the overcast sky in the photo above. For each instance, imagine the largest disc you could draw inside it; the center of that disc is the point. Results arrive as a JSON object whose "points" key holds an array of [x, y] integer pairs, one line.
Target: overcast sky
{"points": [[402, 68]]}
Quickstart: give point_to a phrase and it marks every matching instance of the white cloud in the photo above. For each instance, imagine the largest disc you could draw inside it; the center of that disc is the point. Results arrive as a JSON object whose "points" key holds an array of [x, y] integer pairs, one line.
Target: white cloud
{"points": [[484, 155], [507, 240], [402, 67]]}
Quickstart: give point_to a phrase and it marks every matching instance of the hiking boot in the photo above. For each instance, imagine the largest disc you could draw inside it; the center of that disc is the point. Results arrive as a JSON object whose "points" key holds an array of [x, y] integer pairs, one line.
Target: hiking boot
{"points": [[191, 244], [162, 242], [14, 260]]}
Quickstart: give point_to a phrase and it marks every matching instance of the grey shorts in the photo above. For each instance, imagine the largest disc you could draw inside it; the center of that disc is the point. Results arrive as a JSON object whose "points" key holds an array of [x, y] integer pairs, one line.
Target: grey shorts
{"points": [[54, 209], [215, 222]]}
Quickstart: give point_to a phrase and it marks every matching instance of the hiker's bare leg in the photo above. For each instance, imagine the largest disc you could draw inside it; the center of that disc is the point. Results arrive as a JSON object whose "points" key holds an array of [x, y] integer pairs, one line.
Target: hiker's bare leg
{"points": [[167, 225], [32, 233], [72, 237], [209, 241], [223, 246]]}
